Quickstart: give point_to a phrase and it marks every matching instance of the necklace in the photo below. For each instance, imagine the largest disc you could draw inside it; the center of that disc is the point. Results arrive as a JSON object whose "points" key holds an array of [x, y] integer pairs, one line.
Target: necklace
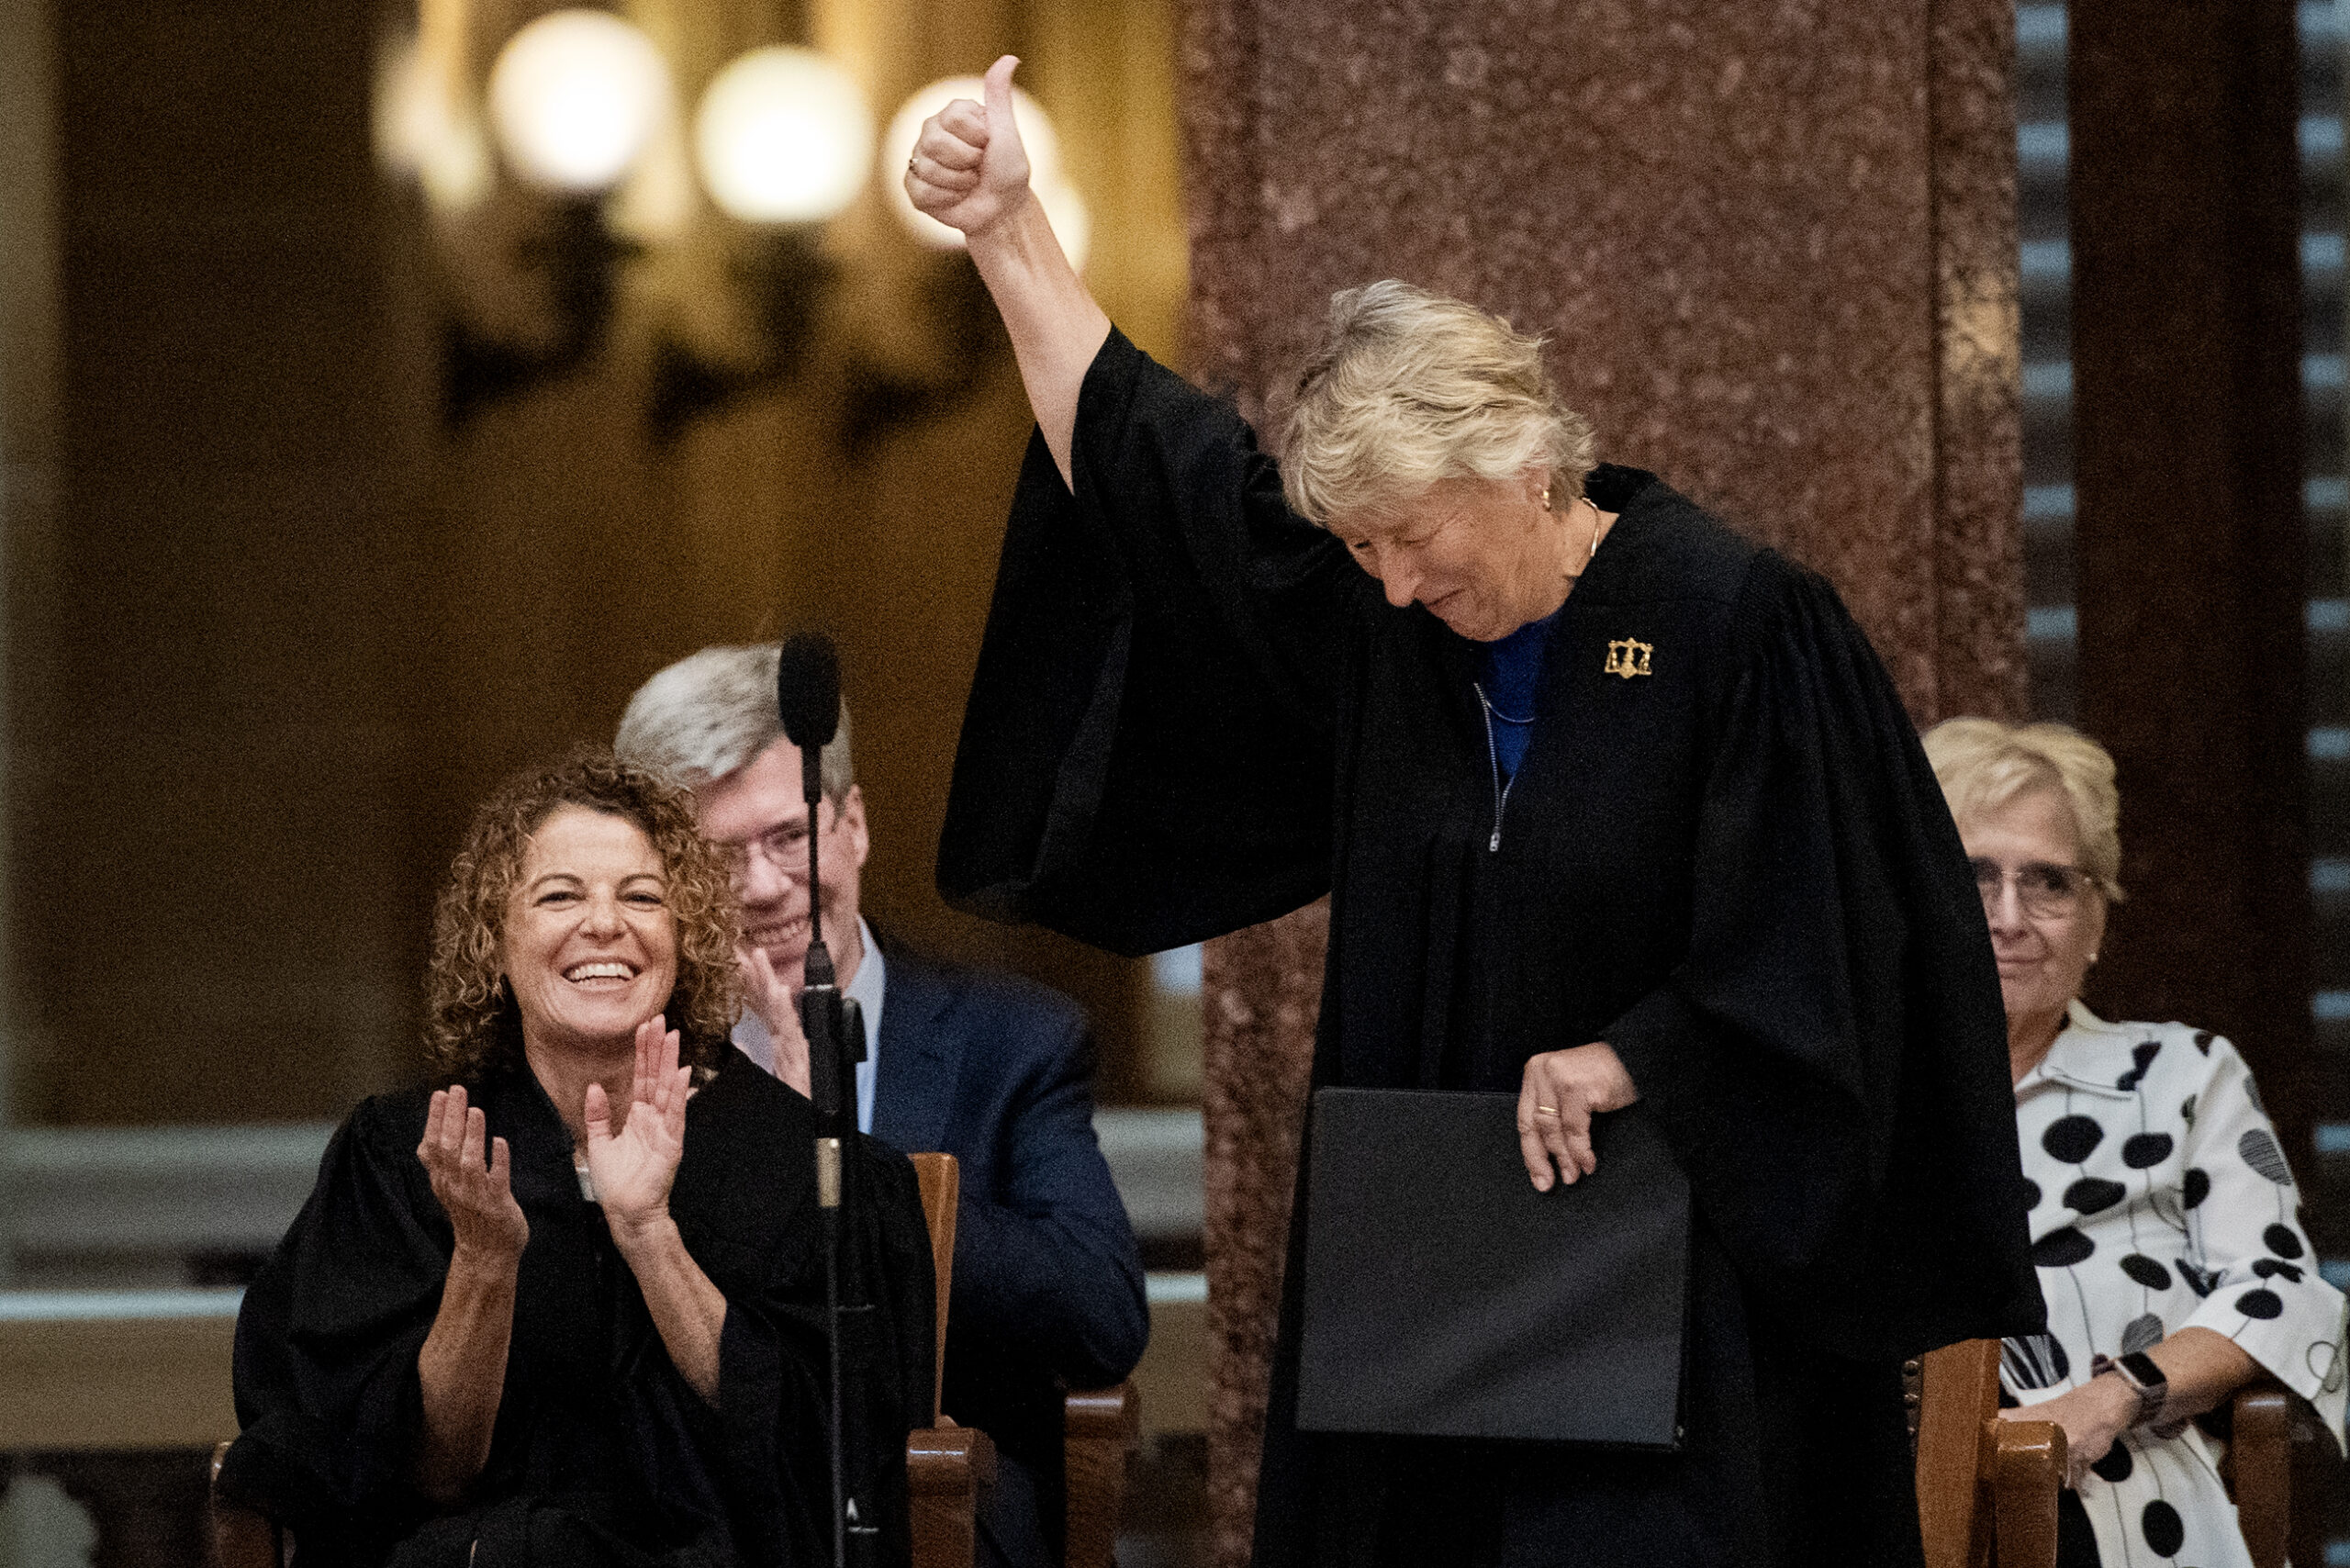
{"points": [[1492, 711]]}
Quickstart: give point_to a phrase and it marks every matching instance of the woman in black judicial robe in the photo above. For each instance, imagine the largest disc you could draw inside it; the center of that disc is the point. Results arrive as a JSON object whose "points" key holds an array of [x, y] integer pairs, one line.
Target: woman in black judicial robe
{"points": [[570, 1310], [1718, 880]]}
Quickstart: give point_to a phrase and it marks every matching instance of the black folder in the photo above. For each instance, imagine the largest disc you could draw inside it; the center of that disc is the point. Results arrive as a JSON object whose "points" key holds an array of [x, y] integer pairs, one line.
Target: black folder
{"points": [[1445, 1297]]}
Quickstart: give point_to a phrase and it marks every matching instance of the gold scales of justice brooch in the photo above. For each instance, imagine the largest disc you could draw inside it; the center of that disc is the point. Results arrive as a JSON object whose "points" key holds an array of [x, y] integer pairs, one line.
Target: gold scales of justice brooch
{"points": [[1628, 657]]}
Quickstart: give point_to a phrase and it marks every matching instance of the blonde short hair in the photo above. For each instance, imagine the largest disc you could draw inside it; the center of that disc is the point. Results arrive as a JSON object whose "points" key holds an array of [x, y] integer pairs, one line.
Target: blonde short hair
{"points": [[1983, 764], [1410, 388]]}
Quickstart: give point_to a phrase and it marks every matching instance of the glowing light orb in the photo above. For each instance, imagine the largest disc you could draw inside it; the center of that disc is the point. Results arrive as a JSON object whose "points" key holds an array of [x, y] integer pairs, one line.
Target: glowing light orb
{"points": [[574, 98], [783, 136]]}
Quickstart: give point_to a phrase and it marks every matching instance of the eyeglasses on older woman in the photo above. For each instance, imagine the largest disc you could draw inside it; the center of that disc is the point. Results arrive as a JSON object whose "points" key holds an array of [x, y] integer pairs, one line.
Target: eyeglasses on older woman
{"points": [[2047, 892]]}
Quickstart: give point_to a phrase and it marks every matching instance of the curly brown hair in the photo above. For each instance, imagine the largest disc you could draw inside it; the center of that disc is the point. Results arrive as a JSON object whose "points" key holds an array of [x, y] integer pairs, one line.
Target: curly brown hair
{"points": [[471, 1024]]}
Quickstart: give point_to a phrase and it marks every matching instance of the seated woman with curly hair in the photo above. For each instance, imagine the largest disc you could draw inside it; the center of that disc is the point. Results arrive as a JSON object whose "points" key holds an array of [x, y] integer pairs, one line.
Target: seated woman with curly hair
{"points": [[569, 1309]]}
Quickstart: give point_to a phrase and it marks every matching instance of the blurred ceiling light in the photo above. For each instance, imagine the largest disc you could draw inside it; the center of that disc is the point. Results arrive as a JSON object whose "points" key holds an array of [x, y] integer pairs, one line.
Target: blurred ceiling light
{"points": [[420, 132], [1037, 134], [783, 136], [575, 97]]}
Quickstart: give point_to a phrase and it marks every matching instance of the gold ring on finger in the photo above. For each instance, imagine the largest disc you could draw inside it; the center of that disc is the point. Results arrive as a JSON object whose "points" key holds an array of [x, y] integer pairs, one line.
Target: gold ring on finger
{"points": [[1545, 1110]]}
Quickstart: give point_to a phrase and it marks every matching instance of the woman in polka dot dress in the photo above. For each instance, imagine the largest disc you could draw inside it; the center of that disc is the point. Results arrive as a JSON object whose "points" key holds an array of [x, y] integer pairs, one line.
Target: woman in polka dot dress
{"points": [[2164, 1219]]}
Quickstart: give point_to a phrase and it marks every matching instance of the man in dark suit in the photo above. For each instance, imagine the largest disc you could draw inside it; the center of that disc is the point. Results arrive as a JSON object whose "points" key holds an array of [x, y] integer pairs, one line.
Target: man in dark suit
{"points": [[1048, 1286]]}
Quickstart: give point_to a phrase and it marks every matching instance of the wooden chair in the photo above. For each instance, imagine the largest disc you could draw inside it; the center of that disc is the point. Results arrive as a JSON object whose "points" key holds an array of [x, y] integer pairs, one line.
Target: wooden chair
{"points": [[1987, 1488], [1100, 1431], [1971, 1464], [948, 1467], [2259, 1468]]}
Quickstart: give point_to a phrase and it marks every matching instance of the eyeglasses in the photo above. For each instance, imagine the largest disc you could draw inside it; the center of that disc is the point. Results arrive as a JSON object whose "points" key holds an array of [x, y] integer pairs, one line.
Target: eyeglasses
{"points": [[2050, 892], [785, 848]]}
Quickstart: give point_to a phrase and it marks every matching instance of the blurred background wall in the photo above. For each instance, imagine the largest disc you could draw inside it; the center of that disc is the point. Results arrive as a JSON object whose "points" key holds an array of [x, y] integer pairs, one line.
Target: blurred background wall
{"points": [[297, 565]]}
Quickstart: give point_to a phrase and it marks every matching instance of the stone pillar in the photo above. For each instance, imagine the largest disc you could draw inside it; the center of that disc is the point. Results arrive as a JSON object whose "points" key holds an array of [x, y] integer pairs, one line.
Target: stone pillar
{"points": [[1773, 250]]}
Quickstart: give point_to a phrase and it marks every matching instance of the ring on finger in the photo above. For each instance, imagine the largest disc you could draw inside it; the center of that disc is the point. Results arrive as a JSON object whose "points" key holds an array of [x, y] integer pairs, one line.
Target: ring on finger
{"points": [[1545, 1110]]}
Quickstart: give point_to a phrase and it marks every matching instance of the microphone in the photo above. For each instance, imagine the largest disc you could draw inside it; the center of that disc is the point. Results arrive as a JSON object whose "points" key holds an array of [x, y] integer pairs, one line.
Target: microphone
{"points": [[808, 700]]}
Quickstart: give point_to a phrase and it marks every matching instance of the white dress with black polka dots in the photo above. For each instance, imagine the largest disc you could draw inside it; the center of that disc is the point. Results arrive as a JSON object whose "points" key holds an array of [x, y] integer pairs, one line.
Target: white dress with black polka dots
{"points": [[2162, 1201]]}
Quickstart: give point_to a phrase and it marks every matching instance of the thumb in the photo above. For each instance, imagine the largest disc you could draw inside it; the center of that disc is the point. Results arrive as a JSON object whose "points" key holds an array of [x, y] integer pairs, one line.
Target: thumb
{"points": [[997, 85], [598, 1114]]}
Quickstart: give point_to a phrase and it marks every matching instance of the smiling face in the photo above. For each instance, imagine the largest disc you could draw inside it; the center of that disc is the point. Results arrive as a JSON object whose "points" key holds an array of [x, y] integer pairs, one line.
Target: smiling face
{"points": [[589, 944], [757, 815], [1484, 556], [2043, 957]]}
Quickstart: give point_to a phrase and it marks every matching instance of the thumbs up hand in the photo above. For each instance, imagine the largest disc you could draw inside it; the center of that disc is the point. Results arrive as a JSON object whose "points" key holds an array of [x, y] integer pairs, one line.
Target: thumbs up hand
{"points": [[969, 169]]}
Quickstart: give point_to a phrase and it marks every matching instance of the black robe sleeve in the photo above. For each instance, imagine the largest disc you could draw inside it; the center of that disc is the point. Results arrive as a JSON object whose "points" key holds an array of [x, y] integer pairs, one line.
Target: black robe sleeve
{"points": [[1830, 1057], [327, 1398], [1147, 757]]}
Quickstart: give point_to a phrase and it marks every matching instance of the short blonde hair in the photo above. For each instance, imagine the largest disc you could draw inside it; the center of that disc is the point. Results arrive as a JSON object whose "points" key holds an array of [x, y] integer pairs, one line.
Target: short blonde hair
{"points": [[1983, 764], [1410, 388], [472, 1027]]}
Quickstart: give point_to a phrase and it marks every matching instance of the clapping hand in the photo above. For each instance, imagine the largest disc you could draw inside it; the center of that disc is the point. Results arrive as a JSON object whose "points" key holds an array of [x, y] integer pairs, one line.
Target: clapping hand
{"points": [[633, 1168], [778, 1007], [969, 169], [478, 1198]]}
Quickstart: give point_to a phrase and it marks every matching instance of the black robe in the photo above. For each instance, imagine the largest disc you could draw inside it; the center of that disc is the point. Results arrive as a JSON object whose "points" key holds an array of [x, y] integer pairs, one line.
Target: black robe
{"points": [[602, 1452], [1193, 713]]}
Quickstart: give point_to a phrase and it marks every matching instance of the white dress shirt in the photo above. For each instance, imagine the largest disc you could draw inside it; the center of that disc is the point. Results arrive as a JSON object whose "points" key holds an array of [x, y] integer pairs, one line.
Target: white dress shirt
{"points": [[865, 988]]}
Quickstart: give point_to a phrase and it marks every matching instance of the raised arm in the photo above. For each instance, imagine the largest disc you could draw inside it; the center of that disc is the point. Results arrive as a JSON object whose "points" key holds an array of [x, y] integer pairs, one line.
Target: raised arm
{"points": [[970, 172], [462, 1368], [633, 1170]]}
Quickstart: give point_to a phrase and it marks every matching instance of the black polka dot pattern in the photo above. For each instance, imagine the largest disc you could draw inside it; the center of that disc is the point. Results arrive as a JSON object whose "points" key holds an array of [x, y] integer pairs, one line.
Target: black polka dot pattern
{"points": [[2259, 1150], [2092, 1194], [2031, 1194], [2163, 1197], [2163, 1528], [2062, 1249], [2071, 1140], [2262, 1303]]}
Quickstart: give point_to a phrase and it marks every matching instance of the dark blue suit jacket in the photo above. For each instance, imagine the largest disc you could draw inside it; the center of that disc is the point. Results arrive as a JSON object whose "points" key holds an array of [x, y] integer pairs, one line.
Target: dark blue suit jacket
{"points": [[1048, 1289]]}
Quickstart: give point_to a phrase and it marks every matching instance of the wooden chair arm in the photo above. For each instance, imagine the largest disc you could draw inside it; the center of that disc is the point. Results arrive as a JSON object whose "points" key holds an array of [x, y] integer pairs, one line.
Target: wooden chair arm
{"points": [[2025, 1462], [241, 1537], [1101, 1430], [2260, 1468], [947, 1469]]}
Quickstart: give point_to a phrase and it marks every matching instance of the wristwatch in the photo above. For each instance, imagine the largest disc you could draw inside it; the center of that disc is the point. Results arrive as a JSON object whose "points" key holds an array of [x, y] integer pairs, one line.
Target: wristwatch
{"points": [[2138, 1370]]}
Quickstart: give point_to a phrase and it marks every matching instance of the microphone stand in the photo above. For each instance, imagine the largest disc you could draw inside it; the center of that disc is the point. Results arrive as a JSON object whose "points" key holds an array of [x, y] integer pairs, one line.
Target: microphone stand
{"points": [[835, 1027]]}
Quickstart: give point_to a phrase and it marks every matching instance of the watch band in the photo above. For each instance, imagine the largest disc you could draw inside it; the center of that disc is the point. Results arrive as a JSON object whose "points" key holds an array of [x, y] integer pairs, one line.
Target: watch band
{"points": [[2138, 1370]]}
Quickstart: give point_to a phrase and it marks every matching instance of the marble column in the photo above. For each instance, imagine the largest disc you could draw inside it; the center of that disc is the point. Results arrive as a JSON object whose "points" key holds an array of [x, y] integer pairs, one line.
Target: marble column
{"points": [[1773, 247]]}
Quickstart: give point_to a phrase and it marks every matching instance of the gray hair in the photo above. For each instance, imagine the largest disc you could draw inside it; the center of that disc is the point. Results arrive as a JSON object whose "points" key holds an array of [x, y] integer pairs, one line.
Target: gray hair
{"points": [[1409, 387], [714, 711]]}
